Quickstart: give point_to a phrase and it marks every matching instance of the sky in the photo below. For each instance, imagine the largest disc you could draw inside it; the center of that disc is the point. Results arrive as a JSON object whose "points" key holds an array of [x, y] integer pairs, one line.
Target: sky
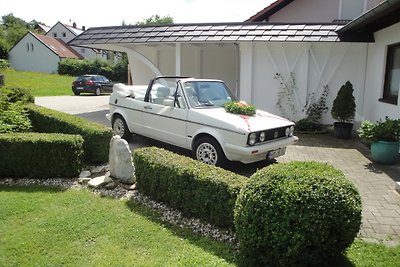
{"points": [[97, 13]]}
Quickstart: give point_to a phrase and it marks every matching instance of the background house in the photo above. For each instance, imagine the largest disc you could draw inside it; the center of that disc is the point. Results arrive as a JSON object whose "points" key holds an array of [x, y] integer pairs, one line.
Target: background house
{"points": [[308, 57], [67, 33], [309, 11], [41, 53]]}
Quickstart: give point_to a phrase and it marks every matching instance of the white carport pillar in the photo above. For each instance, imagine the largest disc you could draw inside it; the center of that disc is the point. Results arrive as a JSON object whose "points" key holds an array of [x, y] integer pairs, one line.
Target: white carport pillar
{"points": [[246, 70], [178, 57]]}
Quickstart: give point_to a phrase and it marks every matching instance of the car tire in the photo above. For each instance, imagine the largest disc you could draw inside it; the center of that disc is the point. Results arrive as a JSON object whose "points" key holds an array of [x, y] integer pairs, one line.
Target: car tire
{"points": [[209, 151], [120, 128], [76, 93], [97, 91]]}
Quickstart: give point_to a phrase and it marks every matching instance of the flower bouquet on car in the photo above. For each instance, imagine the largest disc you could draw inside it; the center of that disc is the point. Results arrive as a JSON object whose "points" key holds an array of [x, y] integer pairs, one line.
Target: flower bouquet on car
{"points": [[240, 107]]}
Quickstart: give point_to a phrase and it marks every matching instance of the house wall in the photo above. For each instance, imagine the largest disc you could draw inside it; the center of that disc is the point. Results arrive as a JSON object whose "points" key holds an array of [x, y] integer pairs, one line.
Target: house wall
{"points": [[322, 10], [40, 59], [199, 61], [61, 32], [374, 109], [313, 66]]}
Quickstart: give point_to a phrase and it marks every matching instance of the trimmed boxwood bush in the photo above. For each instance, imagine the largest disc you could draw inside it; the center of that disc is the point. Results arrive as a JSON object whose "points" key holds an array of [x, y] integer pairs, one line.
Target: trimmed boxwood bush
{"points": [[40, 155], [96, 136], [296, 214], [13, 117], [200, 190]]}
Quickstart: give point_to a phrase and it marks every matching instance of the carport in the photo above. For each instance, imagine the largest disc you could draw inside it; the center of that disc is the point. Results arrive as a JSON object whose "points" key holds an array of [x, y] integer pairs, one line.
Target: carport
{"points": [[247, 56]]}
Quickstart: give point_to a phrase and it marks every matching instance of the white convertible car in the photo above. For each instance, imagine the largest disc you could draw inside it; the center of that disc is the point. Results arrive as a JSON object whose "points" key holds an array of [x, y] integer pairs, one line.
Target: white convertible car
{"points": [[189, 113]]}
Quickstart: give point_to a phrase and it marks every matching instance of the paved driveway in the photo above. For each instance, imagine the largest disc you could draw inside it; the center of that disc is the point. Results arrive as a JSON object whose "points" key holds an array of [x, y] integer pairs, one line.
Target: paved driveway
{"points": [[376, 183]]}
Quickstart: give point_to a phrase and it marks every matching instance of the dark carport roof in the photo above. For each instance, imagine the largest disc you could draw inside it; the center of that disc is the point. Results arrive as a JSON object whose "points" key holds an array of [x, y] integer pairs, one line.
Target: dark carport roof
{"points": [[209, 33]]}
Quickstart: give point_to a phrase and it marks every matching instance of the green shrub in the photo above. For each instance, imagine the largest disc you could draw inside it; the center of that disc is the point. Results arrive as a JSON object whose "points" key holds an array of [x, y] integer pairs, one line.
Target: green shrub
{"points": [[307, 125], [13, 117], [76, 67], [296, 214], [3, 62], [197, 189], [14, 95], [96, 136], [40, 155]]}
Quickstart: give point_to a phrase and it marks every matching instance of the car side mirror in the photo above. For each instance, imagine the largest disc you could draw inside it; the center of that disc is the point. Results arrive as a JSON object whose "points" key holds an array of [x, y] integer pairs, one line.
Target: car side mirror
{"points": [[169, 102]]}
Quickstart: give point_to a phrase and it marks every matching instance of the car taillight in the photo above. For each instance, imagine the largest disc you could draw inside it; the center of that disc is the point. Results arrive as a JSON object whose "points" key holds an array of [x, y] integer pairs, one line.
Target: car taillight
{"points": [[89, 82]]}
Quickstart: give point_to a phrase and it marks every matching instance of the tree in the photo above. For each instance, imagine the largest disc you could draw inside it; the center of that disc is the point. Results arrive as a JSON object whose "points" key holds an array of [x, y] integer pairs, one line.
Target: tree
{"points": [[156, 19]]}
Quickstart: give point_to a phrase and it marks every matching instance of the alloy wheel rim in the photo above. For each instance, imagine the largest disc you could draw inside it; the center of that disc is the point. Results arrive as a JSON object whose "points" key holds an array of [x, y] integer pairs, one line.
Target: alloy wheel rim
{"points": [[207, 154], [119, 128]]}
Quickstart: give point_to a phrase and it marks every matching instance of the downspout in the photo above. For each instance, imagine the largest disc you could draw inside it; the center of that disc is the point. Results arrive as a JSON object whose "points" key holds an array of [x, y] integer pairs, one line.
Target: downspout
{"points": [[365, 82], [237, 86]]}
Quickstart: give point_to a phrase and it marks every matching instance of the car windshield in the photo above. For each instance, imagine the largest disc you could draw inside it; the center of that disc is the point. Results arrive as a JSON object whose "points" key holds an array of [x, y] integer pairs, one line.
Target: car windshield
{"points": [[207, 93]]}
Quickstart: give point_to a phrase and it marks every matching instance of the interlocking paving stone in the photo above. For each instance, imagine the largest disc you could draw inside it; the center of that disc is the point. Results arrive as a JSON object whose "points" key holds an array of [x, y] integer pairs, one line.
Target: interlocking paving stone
{"points": [[376, 183]]}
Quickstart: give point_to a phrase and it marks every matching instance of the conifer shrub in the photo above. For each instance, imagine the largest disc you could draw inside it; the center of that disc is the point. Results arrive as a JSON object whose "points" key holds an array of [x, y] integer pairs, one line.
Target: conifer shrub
{"points": [[296, 214]]}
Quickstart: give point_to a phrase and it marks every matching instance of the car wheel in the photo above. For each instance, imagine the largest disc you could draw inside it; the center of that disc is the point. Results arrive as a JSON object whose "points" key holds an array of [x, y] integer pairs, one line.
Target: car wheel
{"points": [[208, 150], [97, 91], [120, 128], [76, 93]]}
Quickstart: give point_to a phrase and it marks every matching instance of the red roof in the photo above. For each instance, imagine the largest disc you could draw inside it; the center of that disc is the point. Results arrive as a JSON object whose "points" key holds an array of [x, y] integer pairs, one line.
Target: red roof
{"points": [[264, 14], [58, 46]]}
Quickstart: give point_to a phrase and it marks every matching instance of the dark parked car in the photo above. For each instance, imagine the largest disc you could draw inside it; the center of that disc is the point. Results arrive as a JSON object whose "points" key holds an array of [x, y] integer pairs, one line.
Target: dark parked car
{"points": [[91, 83]]}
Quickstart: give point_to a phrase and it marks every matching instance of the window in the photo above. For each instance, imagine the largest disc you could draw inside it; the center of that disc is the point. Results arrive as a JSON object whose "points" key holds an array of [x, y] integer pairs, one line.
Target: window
{"points": [[55, 35], [64, 34], [31, 47], [392, 75], [27, 47]]}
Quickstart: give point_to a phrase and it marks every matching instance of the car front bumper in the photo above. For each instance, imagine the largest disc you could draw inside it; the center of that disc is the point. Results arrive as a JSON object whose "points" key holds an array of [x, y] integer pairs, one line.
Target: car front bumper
{"points": [[256, 153]]}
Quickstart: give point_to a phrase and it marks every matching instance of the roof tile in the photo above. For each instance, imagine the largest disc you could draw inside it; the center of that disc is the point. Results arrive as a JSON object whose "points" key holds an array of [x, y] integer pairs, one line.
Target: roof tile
{"points": [[217, 32]]}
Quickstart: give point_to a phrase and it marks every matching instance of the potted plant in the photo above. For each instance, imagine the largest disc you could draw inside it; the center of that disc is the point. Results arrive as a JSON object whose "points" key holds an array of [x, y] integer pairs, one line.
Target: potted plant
{"points": [[384, 138], [343, 110]]}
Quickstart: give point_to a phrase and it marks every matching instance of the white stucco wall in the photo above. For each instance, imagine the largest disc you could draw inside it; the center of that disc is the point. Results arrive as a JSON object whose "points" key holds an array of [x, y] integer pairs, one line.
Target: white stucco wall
{"points": [[377, 52], [322, 10], [308, 11], [313, 65], [41, 59], [199, 61]]}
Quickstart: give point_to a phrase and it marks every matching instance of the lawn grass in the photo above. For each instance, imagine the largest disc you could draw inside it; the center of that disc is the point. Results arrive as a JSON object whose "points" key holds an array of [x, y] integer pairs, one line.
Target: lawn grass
{"points": [[40, 84], [41, 226], [44, 226]]}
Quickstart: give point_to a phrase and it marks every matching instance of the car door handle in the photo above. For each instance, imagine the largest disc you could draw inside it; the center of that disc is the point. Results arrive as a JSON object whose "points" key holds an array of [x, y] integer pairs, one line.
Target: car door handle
{"points": [[148, 107]]}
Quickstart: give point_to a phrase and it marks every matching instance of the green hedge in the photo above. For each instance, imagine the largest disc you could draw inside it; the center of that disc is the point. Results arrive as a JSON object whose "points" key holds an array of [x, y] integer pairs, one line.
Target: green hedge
{"points": [[96, 136], [40, 155], [197, 189], [296, 214]]}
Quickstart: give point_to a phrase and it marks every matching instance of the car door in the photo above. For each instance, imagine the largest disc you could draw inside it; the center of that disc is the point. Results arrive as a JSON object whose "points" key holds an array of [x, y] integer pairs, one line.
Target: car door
{"points": [[106, 84], [164, 117]]}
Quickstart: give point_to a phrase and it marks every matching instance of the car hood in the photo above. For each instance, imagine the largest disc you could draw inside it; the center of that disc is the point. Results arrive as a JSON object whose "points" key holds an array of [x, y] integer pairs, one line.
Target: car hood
{"points": [[218, 117]]}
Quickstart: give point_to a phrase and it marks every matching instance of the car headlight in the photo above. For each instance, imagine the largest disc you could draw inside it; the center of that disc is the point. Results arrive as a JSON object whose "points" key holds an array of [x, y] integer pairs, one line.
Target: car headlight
{"points": [[252, 139], [262, 137], [287, 131]]}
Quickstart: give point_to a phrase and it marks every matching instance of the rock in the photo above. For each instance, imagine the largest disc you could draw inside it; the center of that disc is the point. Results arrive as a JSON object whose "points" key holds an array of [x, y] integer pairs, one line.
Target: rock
{"points": [[84, 174], [129, 187], [99, 181], [84, 180], [111, 185], [99, 169], [120, 161]]}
